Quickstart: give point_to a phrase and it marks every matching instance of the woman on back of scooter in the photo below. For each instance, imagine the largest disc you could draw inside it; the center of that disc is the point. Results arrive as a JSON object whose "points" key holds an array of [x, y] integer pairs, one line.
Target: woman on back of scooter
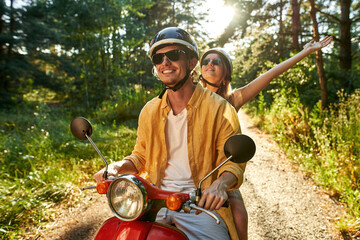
{"points": [[216, 71]]}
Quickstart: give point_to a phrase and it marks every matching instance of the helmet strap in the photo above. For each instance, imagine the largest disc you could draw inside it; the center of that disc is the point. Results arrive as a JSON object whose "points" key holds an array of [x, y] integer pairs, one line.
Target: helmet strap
{"points": [[213, 85], [177, 86]]}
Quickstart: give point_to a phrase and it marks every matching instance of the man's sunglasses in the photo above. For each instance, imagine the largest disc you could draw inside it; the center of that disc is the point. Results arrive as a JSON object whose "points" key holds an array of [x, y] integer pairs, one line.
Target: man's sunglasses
{"points": [[172, 55], [215, 61]]}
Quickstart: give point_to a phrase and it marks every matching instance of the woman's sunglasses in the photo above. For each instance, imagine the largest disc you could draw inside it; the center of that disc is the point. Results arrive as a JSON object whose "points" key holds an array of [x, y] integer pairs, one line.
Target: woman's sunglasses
{"points": [[173, 55], [215, 61]]}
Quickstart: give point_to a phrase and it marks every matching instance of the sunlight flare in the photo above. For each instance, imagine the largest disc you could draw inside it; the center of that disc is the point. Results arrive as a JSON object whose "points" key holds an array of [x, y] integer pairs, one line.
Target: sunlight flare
{"points": [[219, 17]]}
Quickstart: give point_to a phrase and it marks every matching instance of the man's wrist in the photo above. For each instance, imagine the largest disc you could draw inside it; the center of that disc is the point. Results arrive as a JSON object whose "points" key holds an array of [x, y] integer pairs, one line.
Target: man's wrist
{"points": [[227, 180]]}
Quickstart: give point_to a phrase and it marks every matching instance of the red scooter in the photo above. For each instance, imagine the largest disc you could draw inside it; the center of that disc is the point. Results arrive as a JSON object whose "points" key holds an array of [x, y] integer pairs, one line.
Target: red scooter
{"points": [[135, 202]]}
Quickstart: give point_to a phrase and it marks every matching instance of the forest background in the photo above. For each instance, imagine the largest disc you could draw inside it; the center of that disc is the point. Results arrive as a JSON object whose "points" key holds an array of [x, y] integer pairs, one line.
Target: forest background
{"points": [[60, 59]]}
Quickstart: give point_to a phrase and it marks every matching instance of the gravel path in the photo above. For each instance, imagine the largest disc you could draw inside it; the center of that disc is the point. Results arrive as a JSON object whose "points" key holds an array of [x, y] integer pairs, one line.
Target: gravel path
{"points": [[281, 202]]}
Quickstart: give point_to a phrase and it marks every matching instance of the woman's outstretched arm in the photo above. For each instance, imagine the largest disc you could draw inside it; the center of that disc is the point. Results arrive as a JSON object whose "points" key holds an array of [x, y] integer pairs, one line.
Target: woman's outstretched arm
{"points": [[256, 86]]}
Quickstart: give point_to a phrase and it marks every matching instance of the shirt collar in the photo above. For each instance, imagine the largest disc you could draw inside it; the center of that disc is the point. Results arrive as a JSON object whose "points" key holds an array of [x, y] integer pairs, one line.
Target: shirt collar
{"points": [[194, 101], [164, 103]]}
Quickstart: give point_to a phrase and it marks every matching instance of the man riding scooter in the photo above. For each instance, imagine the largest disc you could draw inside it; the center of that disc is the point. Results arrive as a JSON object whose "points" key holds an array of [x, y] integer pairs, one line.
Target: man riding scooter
{"points": [[180, 139]]}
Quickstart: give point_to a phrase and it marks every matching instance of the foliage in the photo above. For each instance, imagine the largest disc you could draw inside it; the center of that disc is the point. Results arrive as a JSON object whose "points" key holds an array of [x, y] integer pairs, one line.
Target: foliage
{"points": [[76, 48], [125, 103], [251, 58]]}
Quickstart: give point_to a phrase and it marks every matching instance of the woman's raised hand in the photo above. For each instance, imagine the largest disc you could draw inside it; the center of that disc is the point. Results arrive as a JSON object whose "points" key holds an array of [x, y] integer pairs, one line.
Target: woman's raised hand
{"points": [[314, 46]]}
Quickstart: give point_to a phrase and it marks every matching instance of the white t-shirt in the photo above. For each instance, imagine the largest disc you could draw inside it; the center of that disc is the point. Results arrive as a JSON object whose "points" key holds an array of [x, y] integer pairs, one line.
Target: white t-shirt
{"points": [[177, 173]]}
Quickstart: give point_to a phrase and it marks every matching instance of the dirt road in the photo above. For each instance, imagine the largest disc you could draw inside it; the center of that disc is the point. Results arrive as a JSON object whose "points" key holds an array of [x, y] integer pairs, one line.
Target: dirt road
{"points": [[281, 202]]}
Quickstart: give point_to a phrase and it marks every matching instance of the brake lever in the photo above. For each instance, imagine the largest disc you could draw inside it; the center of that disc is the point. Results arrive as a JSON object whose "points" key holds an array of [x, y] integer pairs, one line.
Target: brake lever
{"points": [[88, 187], [193, 206], [94, 187]]}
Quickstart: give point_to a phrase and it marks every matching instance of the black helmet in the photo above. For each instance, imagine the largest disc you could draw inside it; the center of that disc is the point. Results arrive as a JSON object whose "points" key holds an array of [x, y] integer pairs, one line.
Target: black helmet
{"points": [[173, 35]]}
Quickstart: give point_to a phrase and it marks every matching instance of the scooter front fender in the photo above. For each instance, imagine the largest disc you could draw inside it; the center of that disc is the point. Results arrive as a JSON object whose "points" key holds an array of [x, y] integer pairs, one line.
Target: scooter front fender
{"points": [[109, 229], [115, 229]]}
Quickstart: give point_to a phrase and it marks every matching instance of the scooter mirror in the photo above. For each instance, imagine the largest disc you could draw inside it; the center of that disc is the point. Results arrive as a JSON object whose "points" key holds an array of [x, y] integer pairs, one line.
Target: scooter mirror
{"points": [[241, 147], [80, 127]]}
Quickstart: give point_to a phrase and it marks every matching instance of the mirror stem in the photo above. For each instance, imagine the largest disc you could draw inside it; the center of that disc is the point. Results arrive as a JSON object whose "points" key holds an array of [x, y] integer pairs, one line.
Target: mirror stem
{"points": [[98, 151], [198, 191]]}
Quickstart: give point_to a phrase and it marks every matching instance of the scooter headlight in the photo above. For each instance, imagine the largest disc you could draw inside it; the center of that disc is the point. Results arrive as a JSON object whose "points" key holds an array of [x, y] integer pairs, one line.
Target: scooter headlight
{"points": [[127, 197]]}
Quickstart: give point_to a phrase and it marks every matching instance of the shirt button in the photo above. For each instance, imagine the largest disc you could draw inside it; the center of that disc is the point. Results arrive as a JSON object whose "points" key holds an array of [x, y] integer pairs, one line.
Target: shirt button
{"points": [[163, 119]]}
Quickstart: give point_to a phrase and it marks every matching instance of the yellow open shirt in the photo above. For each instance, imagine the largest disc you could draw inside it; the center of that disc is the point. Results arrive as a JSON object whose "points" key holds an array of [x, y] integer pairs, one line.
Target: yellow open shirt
{"points": [[211, 120]]}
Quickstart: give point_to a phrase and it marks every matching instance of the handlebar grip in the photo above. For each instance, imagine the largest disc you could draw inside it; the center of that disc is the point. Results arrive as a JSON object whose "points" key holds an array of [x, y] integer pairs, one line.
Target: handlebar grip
{"points": [[226, 204]]}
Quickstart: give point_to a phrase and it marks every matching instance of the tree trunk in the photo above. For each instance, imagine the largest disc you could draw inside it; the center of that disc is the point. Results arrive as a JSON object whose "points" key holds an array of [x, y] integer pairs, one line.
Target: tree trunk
{"points": [[295, 25], [2, 10], [2, 46], [319, 59], [281, 30], [345, 35], [12, 28]]}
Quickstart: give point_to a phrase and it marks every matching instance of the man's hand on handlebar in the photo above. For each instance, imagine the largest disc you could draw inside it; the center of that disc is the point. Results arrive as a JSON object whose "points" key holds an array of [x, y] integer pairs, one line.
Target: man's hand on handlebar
{"points": [[99, 175], [214, 197], [117, 168]]}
